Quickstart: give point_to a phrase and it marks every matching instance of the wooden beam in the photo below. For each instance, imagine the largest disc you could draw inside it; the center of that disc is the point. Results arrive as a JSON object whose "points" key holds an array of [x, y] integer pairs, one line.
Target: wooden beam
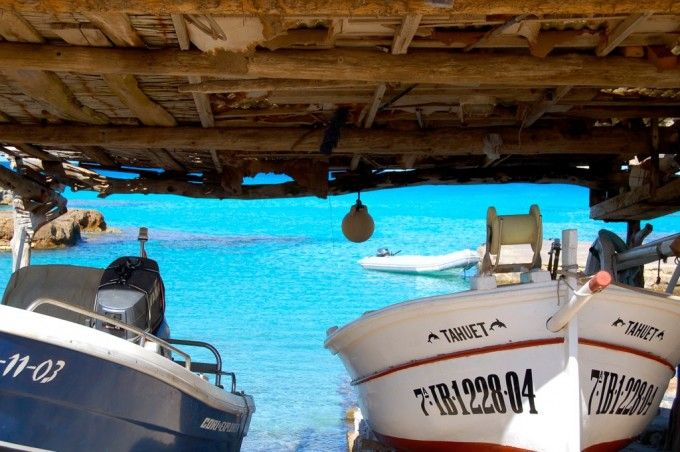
{"points": [[181, 31], [449, 141], [148, 111], [203, 106], [349, 183], [438, 67], [539, 108], [247, 86], [373, 106], [25, 187], [611, 40], [117, 27], [344, 8], [49, 89], [640, 203], [404, 35]]}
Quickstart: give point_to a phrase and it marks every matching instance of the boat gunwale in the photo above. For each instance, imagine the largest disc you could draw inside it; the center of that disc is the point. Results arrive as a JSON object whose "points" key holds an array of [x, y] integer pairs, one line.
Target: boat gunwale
{"points": [[79, 338]]}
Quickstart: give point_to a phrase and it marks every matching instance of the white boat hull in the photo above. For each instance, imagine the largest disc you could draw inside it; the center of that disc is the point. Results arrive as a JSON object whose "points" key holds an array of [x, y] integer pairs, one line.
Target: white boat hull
{"points": [[480, 370], [463, 259]]}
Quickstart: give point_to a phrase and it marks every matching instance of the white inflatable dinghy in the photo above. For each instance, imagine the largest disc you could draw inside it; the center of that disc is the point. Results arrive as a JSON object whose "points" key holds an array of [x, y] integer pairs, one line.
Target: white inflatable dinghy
{"points": [[391, 262]]}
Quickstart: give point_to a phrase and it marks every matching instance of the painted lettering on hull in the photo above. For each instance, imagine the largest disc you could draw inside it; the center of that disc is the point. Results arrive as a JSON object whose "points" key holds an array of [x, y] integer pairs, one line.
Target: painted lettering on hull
{"points": [[218, 426], [619, 394], [640, 330], [466, 332], [40, 372], [489, 394]]}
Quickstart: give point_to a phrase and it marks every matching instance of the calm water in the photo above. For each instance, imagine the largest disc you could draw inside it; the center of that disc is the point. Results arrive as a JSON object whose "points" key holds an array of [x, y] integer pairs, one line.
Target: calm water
{"points": [[263, 280]]}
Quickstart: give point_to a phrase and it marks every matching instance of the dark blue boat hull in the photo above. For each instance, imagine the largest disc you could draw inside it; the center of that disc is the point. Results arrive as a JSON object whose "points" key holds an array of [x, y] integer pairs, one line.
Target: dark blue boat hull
{"points": [[60, 399]]}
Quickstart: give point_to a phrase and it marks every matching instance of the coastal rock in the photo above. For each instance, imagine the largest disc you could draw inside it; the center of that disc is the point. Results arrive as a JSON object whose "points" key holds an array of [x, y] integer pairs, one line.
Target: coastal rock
{"points": [[61, 232]]}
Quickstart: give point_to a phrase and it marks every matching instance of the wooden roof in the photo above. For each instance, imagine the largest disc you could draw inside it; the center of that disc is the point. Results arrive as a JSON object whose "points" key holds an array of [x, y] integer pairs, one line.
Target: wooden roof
{"points": [[192, 96]]}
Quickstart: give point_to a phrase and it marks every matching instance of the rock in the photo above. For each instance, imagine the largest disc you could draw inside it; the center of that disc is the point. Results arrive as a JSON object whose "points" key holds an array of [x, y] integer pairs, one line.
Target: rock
{"points": [[88, 220], [61, 232]]}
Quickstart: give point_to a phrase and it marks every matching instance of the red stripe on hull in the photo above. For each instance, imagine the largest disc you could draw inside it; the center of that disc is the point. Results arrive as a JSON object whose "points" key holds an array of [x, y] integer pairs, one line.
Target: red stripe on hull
{"points": [[612, 446], [415, 445], [622, 348], [459, 354]]}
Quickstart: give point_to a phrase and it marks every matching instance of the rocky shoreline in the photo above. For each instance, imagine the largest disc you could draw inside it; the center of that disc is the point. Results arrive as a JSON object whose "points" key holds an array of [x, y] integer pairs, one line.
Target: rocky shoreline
{"points": [[64, 231]]}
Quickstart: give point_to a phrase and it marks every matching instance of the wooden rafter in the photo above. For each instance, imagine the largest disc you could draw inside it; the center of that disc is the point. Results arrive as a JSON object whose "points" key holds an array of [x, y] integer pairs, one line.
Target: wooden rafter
{"points": [[404, 35], [364, 65], [611, 40], [451, 141], [496, 31], [128, 91], [643, 202], [117, 27], [539, 108], [344, 8], [48, 88], [374, 104]]}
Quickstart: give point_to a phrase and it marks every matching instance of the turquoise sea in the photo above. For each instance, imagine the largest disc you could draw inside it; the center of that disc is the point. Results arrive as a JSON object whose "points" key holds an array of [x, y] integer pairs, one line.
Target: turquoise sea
{"points": [[263, 280]]}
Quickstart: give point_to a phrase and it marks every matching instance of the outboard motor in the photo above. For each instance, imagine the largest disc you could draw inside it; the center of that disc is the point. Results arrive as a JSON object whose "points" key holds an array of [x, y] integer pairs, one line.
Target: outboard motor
{"points": [[131, 291]]}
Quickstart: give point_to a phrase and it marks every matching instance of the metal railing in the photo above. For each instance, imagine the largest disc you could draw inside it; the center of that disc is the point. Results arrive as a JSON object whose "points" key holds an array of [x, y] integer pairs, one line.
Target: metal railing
{"points": [[144, 336], [208, 368]]}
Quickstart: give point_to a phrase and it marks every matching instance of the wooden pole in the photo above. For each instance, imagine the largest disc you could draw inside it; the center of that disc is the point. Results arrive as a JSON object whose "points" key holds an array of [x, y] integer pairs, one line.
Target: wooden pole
{"points": [[435, 66]]}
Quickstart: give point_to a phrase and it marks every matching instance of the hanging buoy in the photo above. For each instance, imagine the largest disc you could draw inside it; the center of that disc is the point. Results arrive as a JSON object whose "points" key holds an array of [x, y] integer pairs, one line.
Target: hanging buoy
{"points": [[358, 225]]}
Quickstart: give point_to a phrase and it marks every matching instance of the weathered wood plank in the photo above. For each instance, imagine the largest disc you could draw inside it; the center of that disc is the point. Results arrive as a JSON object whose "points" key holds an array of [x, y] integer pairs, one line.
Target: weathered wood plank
{"points": [[148, 111], [49, 89], [81, 35], [374, 105], [611, 40], [438, 67], [117, 28], [450, 141], [404, 35], [203, 106], [641, 203], [181, 31], [13, 27], [343, 8]]}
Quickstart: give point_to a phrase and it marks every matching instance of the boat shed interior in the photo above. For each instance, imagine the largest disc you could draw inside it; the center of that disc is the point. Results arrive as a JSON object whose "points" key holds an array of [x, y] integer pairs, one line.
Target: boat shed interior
{"points": [[189, 97]]}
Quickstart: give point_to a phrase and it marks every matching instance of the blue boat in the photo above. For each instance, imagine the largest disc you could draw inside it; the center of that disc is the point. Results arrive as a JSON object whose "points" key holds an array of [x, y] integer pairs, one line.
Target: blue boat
{"points": [[87, 363]]}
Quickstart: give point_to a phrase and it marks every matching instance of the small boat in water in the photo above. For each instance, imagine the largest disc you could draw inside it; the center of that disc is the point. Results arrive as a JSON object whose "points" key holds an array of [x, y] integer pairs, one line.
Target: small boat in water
{"points": [[542, 365], [87, 363], [387, 261]]}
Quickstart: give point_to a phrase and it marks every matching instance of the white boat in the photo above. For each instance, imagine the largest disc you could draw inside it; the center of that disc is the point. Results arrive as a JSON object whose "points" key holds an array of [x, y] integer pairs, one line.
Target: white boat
{"points": [[398, 263], [531, 366]]}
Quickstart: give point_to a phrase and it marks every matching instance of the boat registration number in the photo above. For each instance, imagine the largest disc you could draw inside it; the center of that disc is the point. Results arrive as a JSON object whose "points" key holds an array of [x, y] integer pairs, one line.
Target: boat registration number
{"points": [[489, 394], [41, 372], [619, 394]]}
